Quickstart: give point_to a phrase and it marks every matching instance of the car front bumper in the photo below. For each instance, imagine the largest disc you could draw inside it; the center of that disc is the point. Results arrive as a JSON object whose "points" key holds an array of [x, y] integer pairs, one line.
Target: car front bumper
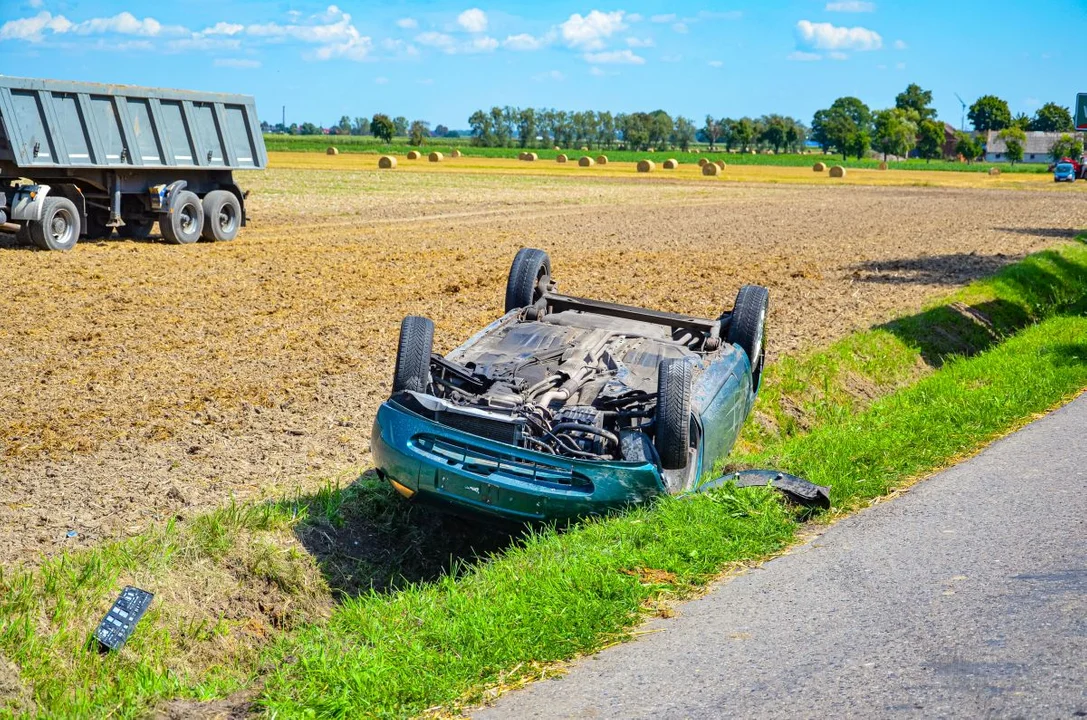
{"points": [[472, 475]]}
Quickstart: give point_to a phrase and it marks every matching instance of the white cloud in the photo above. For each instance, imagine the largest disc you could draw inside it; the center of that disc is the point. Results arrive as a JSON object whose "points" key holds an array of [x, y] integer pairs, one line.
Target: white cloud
{"points": [[438, 40], [407, 23], [681, 28], [836, 55], [223, 28], [482, 44], [900, 66], [123, 23], [239, 63], [201, 43], [671, 58], [473, 20], [614, 57], [900, 45], [824, 36], [851, 6], [715, 63], [426, 81], [524, 41], [31, 29], [35, 3], [801, 56], [554, 75], [662, 19], [597, 72], [381, 81], [640, 42], [589, 32]]}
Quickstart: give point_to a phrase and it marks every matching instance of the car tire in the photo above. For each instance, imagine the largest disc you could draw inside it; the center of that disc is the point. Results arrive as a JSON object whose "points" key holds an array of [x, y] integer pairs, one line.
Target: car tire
{"points": [[529, 277], [747, 329], [59, 227], [222, 216], [183, 224], [673, 419], [412, 370]]}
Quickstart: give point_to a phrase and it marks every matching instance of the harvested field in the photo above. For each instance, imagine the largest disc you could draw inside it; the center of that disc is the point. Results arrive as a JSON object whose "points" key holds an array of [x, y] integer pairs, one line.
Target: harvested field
{"points": [[145, 381]]}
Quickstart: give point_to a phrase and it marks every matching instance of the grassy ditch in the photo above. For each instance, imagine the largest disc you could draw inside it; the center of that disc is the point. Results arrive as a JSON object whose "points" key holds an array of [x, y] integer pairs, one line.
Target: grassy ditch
{"points": [[350, 602]]}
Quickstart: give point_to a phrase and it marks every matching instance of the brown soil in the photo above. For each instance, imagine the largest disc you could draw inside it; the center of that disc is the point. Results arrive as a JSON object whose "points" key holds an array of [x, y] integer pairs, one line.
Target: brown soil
{"points": [[143, 380]]}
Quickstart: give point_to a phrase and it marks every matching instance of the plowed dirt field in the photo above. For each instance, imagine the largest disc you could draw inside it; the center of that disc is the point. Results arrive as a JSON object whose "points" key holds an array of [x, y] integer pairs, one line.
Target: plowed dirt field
{"points": [[144, 381]]}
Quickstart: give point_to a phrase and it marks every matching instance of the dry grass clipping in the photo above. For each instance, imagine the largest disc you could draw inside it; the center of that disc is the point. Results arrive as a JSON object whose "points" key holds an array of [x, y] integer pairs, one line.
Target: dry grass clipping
{"points": [[646, 165], [413, 155], [819, 167], [585, 161], [670, 164], [332, 151], [561, 158], [837, 171], [601, 159], [712, 169], [436, 156], [386, 162]]}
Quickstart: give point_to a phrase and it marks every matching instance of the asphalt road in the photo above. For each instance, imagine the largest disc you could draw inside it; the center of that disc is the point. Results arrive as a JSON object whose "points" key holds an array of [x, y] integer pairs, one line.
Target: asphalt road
{"points": [[965, 597]]}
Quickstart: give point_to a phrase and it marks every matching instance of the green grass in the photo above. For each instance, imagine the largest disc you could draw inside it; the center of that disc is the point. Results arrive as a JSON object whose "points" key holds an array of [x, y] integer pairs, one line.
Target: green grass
{"points": [[868, 414], [366, 144]]}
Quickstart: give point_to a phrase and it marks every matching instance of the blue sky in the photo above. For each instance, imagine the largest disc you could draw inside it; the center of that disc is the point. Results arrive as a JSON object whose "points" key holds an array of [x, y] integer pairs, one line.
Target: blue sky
{"points": [[439, 60]]}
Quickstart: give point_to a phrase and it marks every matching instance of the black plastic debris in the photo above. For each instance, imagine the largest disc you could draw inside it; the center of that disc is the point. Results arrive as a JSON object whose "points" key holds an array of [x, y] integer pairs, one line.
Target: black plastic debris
{"points": [[795, 489], [118, 624]]}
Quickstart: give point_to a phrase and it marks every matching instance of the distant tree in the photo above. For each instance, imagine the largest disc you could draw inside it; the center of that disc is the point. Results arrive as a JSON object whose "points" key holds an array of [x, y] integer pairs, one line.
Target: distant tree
{"points": [[1066, 146], [712, 131], [400, 126], [894, 133], [526, 127], [482, 129], [308, 128], [1022, 121], [343, 127], [418, 132], [452, 134], [683, 133], [360, 126], [989, 113], [773, 131], [382, 127], [913, 98], [1014, 138], [1052, 117], [441, 131], [728, 132], [847, 126], [819, 130], [509, 125], [930, 139], [635, 129], [294, 130], [265, 127], [967, 146], [503, 132], [584, 126], [605, 132], [744, 133], [795, 134], [660, 128]]}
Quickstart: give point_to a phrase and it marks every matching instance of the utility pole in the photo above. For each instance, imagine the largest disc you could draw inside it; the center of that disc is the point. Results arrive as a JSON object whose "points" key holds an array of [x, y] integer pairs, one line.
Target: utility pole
{"points": [[284, 123]]}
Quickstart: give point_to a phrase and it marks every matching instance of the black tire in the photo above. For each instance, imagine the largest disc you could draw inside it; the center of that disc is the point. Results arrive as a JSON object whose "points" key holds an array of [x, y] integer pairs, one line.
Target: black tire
{"points": [[529, 276], [96, 225], [182, 225], [673, 420], [747, 329], [413, 354], [222, 216], [22, 236], [59, 226], [136, 227]]}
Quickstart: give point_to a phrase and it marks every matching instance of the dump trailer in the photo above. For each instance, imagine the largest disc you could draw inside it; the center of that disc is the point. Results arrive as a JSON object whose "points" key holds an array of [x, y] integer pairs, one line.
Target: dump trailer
{"points": [[83, 159]]}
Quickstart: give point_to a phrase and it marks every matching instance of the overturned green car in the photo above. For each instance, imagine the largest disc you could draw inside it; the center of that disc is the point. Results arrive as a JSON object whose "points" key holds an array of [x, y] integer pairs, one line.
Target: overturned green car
{"points": [[566, 407]]}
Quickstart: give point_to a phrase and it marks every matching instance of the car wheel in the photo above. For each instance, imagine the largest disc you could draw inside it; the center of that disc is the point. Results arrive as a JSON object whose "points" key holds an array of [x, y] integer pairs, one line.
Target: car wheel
{"points": [[529, 277], [59, 227], [673, 420], [222, 216], [413, 354], [182, 225], [747, 329]]}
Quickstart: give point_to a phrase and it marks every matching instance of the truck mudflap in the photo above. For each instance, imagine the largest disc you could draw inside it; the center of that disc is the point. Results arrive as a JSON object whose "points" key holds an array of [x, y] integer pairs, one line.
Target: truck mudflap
{"points": [[795, 489]]}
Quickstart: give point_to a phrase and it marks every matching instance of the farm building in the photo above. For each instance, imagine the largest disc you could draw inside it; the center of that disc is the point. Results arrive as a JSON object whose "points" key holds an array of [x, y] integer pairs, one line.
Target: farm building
{"points": [[1035, 150]]}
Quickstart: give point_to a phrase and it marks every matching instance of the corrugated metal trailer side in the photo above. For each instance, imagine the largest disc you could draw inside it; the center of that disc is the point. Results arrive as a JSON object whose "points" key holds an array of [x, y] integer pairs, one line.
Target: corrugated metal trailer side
{"points": [[123, 157]]}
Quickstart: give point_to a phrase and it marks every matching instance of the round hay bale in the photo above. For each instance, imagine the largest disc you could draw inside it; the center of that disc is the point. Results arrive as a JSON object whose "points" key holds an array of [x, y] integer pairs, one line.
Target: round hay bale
{"points": [[585, 161], [651, 149], [557, 148], [332, 150], [436, 156], [646, 165], [386, 162], [702, 162], [561, 158], [584, 148], [670, 164], [994, 171], [837, 171], [455, 153], [712, 169], [413, 155], [819, 167], [883, 165], [601, 159], [531, 157], [720, 164]]}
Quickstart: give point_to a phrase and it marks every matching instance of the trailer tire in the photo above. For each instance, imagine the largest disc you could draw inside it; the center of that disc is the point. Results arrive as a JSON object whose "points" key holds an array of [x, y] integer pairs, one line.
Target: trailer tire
{"points": [[137, 228], [222, 216], [747, 329], [412, 370], [529, 275], [673, 420], [59, 227], [96, 226], [22, 236], [183, 223]]}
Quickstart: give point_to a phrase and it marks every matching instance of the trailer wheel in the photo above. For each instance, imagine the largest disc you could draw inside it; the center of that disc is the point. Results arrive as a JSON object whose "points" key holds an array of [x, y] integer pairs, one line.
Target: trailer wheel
{"points": [[673, 431], [96, 225], [137, 228], [222, 216], [412, 370], [182, 225], [59, 227], [22, 236]]}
